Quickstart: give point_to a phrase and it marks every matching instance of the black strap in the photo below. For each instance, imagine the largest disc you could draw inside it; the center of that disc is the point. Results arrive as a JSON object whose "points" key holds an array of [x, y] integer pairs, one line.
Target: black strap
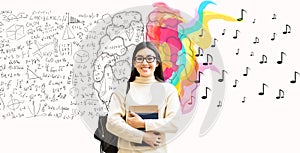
{"points": [[128, 87]]}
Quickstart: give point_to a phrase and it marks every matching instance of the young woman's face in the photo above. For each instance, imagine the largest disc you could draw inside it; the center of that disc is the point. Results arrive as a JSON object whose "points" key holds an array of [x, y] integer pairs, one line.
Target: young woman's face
{"points": [[145, 62]]}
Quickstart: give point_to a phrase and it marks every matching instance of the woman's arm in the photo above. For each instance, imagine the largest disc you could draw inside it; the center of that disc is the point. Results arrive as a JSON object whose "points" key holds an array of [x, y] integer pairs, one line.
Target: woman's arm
{"points": [[117, 125]]}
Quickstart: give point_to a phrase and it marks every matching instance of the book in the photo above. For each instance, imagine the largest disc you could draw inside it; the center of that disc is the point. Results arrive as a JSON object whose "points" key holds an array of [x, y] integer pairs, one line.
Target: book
{"points": [[145, 112]]}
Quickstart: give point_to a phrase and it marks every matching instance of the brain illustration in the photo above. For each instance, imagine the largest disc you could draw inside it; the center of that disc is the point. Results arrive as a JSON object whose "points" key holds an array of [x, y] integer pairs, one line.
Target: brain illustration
{"points": [[177, 41], [178, 37]]}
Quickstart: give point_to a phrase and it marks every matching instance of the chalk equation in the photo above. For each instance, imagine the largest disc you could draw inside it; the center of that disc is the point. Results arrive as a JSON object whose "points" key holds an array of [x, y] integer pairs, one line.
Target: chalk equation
{"points": [[38, 52]]}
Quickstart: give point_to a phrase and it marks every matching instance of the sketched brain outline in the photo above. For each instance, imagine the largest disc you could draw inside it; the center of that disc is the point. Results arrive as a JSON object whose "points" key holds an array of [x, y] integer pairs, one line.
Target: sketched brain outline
{"points": [[113, 64]]}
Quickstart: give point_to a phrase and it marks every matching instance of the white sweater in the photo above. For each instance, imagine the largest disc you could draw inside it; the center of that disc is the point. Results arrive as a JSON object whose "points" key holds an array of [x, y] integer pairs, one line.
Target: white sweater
{"points": [[143, 91]]}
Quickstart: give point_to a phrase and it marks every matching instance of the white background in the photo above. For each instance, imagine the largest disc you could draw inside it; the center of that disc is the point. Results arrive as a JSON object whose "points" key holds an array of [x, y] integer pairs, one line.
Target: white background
{"points": [[261, 124]]}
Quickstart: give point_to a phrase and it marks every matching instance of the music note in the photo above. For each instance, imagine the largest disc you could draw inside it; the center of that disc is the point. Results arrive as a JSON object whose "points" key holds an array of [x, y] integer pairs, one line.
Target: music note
{"points": [[238, 51], [256, 40], [193, 98], [264, 59], [286, 29], [235, 83], [236, 34], [223, 33], [274, 16], [204, 97], [199, 50], [220, 104], [244, 99], [254, 21], [207, 59], [263, 92], [242, 15], [281, 60], [280, 92], [294, 81], [252, 54], [214, 44], [199, 74], [273, 38], [222, 79], [247, 68], [201, 33]]}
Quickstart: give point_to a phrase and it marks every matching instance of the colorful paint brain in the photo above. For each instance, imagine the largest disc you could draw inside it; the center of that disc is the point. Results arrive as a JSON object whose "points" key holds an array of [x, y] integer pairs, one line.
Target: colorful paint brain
{"points": [[178, 43]]}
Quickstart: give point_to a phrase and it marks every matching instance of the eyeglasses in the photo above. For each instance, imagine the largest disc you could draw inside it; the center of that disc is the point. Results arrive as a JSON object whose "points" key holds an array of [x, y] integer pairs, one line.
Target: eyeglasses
{"points": [[140, 59]]}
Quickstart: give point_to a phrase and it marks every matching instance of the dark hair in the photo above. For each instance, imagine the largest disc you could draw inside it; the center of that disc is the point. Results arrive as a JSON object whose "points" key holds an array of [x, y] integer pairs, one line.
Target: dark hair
{"points": [[158, 73]]}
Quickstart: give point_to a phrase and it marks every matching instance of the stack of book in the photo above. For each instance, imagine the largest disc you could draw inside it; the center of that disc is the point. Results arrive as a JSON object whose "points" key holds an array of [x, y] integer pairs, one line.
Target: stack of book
{"points": [[145, 112]]}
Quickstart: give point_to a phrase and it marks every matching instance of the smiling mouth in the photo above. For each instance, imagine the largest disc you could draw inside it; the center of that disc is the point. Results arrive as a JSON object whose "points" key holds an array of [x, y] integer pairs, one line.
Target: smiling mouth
{"points": [[145, 68]]}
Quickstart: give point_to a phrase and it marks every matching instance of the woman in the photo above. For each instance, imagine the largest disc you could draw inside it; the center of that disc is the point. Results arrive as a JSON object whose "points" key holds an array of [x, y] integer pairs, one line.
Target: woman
{"points": [[146, 83]]}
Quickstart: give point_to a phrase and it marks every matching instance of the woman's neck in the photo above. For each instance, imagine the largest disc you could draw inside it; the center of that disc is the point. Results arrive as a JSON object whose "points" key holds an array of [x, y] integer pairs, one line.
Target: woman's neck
{"points": [[149, 79]]}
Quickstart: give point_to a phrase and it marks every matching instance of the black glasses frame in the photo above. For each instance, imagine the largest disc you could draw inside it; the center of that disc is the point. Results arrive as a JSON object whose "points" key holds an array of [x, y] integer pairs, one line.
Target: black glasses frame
{"points": [[148, 60]]}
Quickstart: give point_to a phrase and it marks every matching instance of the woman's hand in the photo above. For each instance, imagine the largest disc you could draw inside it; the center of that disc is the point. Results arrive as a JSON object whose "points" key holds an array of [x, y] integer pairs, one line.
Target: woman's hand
{"points": [[152, 138], [135, 120]]}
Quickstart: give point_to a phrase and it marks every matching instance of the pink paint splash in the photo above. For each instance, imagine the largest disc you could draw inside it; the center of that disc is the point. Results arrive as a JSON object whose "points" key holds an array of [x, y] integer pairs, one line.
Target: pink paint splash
{"points": [[180, 66]]}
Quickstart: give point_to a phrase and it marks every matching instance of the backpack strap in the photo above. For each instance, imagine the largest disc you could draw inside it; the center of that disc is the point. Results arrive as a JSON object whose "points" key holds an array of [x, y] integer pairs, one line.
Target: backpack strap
{"points": [[128, 87]]}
